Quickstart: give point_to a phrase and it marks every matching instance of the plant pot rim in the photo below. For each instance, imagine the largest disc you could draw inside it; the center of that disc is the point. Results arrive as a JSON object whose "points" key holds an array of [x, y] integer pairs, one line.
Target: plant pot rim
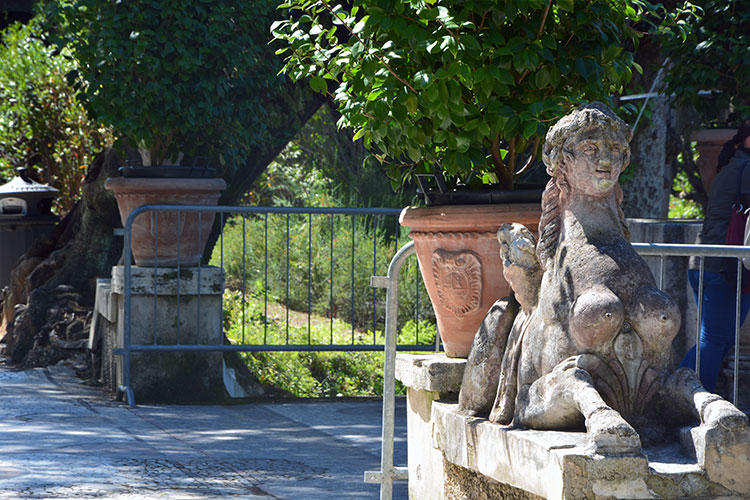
{"points": [[481, 218], [154, 185], [167, 171]]}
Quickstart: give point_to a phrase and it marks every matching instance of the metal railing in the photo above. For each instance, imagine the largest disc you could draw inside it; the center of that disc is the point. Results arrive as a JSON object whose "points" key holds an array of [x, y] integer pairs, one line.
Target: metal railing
{"points": [[369, 340], [390, 472]]}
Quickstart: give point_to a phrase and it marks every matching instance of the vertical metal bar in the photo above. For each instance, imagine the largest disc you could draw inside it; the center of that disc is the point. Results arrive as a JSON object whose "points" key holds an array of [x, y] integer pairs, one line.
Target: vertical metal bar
{"points": [[700, 319], [265, 280], [309, 278], [389, 372], [662, 272], [287, 278], [244, 274], [179, 253], [737, 314], [330, 281], [198, 291], [220, 330], [156, 273], [127, 311], [352, 281], [374, 273], [416, 300]]}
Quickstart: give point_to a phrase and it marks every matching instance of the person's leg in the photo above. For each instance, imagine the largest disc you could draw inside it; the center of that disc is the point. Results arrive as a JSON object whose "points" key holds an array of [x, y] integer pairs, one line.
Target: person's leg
{"points": [[717, 325]]}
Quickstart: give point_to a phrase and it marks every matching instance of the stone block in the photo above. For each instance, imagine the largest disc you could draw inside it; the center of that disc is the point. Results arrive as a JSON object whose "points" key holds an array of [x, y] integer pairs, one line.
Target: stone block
{"points": [[430, 372], [558, 465], [165, 310], [205, 280]]}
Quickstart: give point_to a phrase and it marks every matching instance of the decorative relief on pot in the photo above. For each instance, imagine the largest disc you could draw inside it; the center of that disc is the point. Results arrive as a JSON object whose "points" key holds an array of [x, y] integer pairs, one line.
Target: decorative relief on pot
{"points": [[458, 279]]}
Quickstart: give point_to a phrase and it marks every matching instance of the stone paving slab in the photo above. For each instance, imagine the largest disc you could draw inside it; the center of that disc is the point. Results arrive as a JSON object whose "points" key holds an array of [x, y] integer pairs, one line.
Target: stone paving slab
{"points": [[62, 440]]}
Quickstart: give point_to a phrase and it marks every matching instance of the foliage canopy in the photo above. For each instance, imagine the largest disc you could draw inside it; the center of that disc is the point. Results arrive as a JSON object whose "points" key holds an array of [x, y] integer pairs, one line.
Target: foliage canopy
{"points": [[174, 75], [460, 87], [43, 127], [708, 43]]}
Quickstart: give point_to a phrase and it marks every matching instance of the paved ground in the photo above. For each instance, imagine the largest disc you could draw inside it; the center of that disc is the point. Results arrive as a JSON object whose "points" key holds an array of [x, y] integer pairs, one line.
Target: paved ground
{"points": [[62, 440]]}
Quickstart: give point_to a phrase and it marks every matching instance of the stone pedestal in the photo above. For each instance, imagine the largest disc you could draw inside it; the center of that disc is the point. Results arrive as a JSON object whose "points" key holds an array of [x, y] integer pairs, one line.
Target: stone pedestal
{"points": [[166, 309], [455, 457]]}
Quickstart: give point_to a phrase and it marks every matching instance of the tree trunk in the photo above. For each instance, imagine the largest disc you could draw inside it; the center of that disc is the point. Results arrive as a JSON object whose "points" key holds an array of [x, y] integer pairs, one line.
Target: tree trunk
{"points": [[646, 194]]}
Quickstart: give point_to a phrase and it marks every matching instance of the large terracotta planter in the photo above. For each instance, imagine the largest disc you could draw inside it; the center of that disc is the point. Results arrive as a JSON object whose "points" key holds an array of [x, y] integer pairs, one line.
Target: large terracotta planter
{"points": [[167, 239], [709, 143], [460, 261]]}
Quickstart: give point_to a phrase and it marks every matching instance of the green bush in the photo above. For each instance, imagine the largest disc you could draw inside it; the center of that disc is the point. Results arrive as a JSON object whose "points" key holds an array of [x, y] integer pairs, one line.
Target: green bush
{"points": [[43, 127], [462, 87]]}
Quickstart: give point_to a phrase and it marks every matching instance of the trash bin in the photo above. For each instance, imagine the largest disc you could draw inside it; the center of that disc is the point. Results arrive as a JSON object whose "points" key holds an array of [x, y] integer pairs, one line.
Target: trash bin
{"points": [[24, 216]]}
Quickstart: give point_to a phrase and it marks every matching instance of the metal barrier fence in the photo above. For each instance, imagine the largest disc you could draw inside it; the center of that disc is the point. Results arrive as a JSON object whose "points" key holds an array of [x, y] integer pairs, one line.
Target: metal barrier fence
{"points": [[389, 472], [371, 220]]}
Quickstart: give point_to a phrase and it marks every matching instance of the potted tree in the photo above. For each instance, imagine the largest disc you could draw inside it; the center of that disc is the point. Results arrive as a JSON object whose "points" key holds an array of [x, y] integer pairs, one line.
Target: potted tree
{"points": [[174, 79], [708, 48], [465, 92]]}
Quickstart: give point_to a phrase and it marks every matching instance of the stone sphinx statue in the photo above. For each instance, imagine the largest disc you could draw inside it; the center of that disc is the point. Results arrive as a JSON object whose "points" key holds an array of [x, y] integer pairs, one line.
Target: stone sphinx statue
{"points": [[585, 340]]}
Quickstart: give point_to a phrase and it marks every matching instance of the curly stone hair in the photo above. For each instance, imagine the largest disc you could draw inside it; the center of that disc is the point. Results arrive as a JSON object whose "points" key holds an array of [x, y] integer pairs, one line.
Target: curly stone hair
{"points": [[587, 117]]}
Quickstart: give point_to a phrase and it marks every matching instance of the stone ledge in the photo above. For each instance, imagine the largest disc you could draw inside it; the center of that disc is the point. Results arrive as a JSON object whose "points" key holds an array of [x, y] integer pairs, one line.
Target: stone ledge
{"points": [[163, 280], [430, 372], [557, 465]]}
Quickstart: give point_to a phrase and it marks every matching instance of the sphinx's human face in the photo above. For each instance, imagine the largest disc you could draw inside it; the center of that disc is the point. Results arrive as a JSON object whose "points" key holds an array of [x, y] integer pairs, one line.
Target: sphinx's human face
{"points": [[594, 159]]}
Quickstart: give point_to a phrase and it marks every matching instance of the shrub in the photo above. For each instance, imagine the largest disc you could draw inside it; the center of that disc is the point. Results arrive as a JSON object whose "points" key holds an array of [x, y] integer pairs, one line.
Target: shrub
{"points": [[43, 127]]}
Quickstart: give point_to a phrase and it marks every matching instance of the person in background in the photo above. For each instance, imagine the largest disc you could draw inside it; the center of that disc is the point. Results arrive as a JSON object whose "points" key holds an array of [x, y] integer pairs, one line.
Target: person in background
{"points": [[730, 147], [720, 276]]}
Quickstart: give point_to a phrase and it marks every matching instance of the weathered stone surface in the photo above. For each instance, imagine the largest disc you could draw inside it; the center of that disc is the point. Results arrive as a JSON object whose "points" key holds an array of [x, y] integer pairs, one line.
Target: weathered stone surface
{"points": [[465, 484], [479, 383], [425, 461], [168, 318], [482, 456], [559, 465], [430, 372], [205, 280]]}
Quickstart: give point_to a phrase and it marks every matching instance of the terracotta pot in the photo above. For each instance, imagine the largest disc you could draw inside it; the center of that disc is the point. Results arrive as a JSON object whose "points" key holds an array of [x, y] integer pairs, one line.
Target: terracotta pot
{"points": [[709, 143], [178, 242], [460, 261]]}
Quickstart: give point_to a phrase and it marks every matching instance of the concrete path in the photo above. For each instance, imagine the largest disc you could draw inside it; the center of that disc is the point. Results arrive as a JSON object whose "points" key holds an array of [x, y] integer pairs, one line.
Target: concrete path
{"points": [[62, 440]]}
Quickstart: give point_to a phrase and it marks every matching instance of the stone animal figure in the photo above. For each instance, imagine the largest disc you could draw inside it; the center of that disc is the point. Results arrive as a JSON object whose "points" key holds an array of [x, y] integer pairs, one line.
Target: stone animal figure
{"points": [[591, 347]]}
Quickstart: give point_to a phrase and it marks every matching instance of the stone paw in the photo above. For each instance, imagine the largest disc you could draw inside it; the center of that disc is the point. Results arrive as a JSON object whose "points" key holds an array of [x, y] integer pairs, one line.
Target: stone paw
{"points": [[720, 412], [610, 434]]}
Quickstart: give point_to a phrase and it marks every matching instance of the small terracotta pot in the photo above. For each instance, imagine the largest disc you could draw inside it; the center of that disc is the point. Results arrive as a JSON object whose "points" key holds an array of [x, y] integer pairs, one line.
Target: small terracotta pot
{"points": [[459, 257], [178, 241]]}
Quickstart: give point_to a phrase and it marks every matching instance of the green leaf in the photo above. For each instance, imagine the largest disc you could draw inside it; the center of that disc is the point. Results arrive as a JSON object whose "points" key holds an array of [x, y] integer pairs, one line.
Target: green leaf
{"points": [[462, 143], [529, 130], [566, 5], [412, 104], [318, 84]]}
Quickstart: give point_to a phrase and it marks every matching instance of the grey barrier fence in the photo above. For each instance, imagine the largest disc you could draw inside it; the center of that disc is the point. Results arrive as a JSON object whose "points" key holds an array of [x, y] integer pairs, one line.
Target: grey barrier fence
{"points": [[389, 472], [371, 220]]}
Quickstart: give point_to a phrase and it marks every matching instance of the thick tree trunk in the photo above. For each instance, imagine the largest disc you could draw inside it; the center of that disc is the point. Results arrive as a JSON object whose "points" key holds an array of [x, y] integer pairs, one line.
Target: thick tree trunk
{"points": [[59, 272], [646, 194]]}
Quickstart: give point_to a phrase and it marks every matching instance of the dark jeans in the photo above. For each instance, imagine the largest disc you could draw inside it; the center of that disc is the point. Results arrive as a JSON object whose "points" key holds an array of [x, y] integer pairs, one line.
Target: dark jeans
{"points": [[717, 324]]}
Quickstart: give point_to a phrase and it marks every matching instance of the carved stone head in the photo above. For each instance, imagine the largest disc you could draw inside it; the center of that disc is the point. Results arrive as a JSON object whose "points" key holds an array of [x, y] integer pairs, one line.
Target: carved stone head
{"points": [[589, 147], [520, 265]]}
